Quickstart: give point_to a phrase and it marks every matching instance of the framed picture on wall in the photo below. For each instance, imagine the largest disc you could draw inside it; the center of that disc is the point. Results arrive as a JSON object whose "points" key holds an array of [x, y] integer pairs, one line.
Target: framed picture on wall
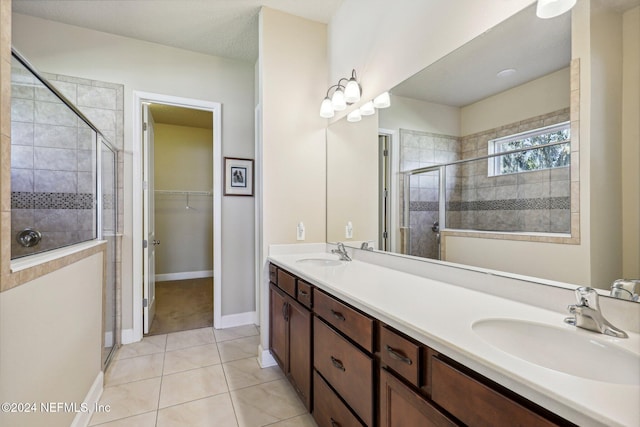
{"points": [[238, 177]]}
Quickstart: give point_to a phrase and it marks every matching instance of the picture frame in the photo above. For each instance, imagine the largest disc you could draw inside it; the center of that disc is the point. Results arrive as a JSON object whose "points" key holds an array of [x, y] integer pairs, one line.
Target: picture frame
{"points": [[238, 177]]}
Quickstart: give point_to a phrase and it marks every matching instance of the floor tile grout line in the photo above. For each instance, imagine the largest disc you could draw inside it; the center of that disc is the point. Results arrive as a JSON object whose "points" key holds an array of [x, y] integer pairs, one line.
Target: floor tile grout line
{"points": [[119, 419]]}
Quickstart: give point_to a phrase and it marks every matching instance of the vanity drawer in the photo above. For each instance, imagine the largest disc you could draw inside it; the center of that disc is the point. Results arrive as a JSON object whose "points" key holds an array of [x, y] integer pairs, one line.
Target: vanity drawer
{"points": [[273, 274], [348, 369], [357, 326], [305, 293], [475, 403], [287, 282], [401, 406], [400, 354], [328, 409]]}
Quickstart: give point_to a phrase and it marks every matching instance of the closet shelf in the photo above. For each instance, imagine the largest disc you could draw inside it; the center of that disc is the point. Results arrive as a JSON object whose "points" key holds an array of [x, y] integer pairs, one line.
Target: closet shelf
{"points": [[183, 192]]}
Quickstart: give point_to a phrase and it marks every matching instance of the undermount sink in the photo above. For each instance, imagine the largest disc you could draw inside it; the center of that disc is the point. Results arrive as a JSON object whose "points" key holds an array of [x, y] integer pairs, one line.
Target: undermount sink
{"points": [[321, 262], [561, 350]]}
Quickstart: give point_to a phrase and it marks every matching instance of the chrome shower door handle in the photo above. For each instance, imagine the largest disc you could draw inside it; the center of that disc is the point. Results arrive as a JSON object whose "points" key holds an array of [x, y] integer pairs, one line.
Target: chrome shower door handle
{"points": [[28, 237]]}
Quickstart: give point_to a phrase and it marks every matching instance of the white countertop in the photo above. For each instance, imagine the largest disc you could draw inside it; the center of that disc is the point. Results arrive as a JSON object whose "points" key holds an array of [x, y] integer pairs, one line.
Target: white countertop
{"points": [[441, 316]]}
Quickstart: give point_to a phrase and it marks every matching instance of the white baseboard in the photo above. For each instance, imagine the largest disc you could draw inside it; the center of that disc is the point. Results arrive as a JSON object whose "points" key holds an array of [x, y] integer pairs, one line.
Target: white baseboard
{"points": [[127, 337], [91, 400], [184, 275], [240, 319], [265, 359]]}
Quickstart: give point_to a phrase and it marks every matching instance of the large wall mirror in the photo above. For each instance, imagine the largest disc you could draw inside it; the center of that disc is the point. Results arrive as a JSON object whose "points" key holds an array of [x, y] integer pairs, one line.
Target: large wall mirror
{"points": [[477, 144]]}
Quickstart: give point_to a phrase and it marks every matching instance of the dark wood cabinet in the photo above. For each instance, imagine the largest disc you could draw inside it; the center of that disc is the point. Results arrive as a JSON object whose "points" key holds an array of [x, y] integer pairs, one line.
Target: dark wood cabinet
{"points": [[401, 406], [348, 369], [476, 403], [278, 331], [290, 336], [352, 371], [300, 350], [328, 409]]}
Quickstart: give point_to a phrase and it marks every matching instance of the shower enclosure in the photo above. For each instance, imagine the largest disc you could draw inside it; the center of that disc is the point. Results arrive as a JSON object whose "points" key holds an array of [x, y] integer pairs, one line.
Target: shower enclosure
{"points": [[519, 183], [63, 178]]}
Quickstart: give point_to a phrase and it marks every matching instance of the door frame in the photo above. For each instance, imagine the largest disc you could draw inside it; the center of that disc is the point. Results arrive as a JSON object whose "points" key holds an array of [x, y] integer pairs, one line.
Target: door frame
{"points": [[139, 98], [394, 190]]}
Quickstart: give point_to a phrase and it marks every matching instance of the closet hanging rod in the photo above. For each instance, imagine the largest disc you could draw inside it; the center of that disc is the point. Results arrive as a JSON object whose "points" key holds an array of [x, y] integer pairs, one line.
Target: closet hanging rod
{"points": [[189, 192]]}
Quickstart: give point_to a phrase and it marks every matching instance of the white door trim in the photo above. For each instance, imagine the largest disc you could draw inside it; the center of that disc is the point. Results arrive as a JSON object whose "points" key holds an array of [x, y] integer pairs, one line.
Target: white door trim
{"points": [[394, 191], [216, 108]]}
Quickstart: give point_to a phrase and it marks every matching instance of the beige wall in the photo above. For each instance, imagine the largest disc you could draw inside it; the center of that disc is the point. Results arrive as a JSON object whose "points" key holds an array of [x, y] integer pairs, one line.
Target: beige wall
{"points": [[292, 75], [141, 66], [543, 95], [352, 177], [50, 341], [407, 113], [183, 162], [631, 143]]}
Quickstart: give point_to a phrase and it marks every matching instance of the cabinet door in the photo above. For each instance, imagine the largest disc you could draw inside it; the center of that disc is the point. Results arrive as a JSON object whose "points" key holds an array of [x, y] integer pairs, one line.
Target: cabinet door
{"points": [[300, 350], [278, 315], [400, 406]]}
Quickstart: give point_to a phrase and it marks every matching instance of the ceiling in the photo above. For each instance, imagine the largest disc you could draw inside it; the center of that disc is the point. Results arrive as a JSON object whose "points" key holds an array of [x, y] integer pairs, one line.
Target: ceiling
{"points": [[531, 46], [226, 28], [181, 116], [229, 28]]}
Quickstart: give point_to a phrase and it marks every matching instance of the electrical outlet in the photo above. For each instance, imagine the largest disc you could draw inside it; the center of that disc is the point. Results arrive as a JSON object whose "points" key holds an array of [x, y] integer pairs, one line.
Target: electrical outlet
{"points": [[300, 231], [348, 230]]}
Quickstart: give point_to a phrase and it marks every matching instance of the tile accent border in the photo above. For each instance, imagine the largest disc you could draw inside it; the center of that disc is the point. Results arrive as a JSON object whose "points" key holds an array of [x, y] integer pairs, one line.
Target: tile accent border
{"points": [[27, 200], [495, 205]]}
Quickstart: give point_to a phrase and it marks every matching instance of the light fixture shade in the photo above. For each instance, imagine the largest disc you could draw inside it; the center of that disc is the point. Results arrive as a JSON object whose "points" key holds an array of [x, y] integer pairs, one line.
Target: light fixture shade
{"points": [[352, 91], [382, 101], [337, 100], [354, 116], [326, 109], [552, 8], [367, 109]]}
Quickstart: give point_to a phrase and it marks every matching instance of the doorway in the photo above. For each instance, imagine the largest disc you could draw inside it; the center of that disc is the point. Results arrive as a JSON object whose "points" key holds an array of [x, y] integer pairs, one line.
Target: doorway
{"points": [[179, 177], [183, 218]]}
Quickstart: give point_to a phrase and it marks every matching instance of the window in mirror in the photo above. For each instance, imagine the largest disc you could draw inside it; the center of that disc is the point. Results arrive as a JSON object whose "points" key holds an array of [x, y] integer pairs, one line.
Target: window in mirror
{"points": [[550, 148]]}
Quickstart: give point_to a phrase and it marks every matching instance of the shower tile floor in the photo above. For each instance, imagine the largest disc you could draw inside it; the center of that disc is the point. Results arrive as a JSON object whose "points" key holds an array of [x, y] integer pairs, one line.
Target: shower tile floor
{"points": [[201, 377]]}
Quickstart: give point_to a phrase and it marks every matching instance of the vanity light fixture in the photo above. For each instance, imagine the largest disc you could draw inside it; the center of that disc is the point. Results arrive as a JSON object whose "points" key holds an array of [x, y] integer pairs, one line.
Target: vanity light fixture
{"points": [[352, 90], [338, 100], [551, 8], [368, 109], [343, 95], [354, 116], [382, 101]]}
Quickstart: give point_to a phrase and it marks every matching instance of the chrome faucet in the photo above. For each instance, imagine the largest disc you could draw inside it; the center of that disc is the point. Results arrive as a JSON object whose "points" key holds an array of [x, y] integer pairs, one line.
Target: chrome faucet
{"points": [[366, 247], [587, 314], [342, 252]]}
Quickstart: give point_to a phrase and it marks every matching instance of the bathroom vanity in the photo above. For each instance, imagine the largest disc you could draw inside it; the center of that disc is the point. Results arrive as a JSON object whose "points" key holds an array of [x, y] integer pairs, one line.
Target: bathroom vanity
{"points": [[370, 345]]}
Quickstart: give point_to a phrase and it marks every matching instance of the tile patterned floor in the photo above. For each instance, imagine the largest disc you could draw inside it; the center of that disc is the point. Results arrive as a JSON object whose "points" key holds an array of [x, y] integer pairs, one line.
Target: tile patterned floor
{"points": [[202, 377]]}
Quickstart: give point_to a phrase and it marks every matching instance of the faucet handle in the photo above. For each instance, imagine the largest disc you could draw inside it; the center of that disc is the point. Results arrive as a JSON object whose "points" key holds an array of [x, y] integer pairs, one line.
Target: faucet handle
{"points": [[587, 297]]}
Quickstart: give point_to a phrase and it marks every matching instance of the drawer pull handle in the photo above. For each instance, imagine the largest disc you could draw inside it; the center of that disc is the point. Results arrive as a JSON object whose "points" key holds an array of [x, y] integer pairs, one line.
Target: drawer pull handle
{"points": [[338, 315], [304, 294], [334, 423], [398, 356], [338, 364]]}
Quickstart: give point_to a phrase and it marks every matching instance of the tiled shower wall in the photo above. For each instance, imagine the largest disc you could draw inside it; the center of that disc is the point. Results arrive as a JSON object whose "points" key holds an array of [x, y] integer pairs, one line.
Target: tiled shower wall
{"points": [[525, 202], [53, 156], [418, 150], [537, 201]]}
